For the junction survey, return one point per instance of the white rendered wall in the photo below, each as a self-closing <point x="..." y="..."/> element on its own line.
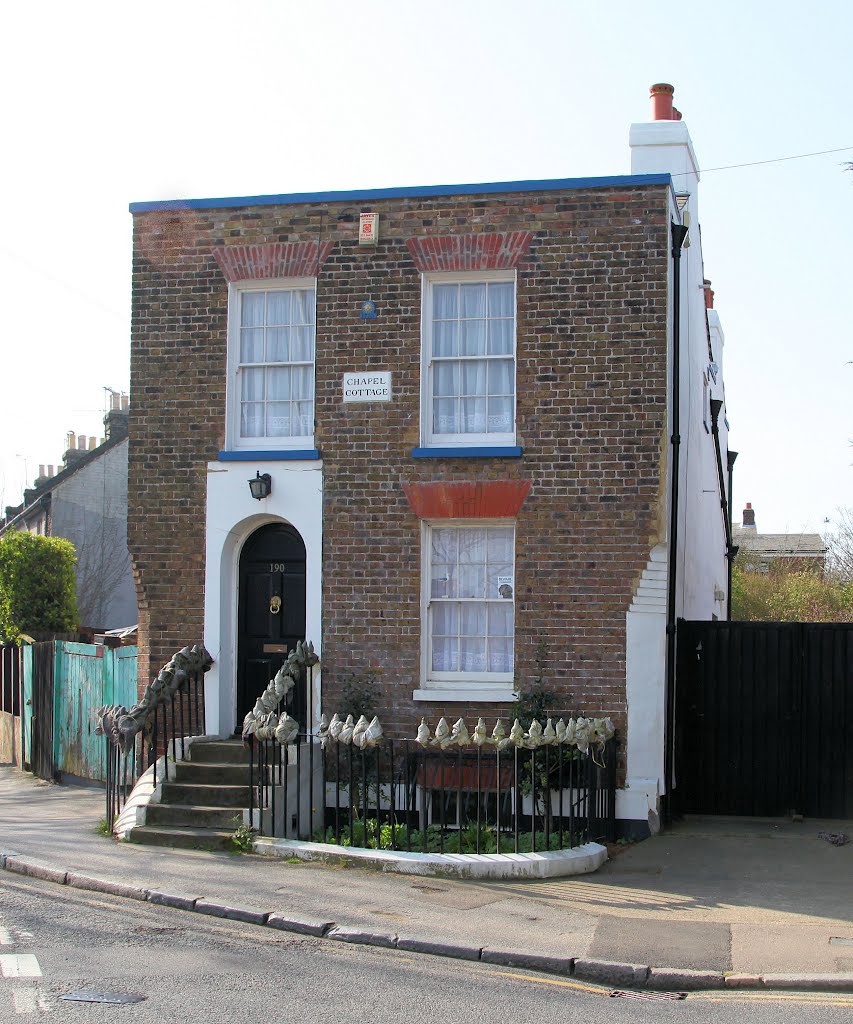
<point x="232" y="516"/>
<point x="665" y="147"/>
<point x="90" y="510"/>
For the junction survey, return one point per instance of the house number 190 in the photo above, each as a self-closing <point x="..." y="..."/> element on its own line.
<point x="276" y="566"/>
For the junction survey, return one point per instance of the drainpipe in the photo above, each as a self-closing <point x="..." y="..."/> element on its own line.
<point x="733" y="548"/>
<point x="725" y="507"/>
<point x="678" y="234"/>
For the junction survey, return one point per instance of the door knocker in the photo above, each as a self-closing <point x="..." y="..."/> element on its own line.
<point x="275" y="605"/>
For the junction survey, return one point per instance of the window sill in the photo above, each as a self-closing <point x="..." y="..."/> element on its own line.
<point x="468" y="694"/>
<point x="472" y="452"/>
<point x="272" y="454"/>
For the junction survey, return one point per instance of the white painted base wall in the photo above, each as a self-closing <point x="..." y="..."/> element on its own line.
<point x="645" y="683"/>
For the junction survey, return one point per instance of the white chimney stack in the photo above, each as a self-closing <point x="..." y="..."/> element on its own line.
<point x="662" y="145"/>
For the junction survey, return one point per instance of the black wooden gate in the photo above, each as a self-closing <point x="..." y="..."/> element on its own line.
<point x="43" y="761"/>
<point x="765" y="718"/>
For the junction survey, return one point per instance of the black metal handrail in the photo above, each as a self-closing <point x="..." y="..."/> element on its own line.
<point x="170" y="711"/>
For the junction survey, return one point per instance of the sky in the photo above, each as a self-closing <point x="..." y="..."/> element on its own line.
<point x="107" y="104"/>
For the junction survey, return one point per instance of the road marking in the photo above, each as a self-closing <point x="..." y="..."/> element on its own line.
<point x="24" y="1000"/>
<point x="5" y="938"/>
<point x="774" y="996"/>
<point x="19" y="965"/>
<point x="29" y="1000"/>
<point x="596" y="989"/>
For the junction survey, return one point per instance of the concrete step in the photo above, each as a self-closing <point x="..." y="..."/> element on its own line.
<point x="195" y="794"/>
<point x="222" y="818"/>
<point x="191" y="773"/>
<point x="219" y="752"/>
<point x="183" y="838"/>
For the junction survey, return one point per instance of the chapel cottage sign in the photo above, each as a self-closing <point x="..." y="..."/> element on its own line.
<point x="367" y="387"/>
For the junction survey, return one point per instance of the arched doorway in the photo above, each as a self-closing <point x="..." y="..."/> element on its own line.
<point x="271" y="613"/>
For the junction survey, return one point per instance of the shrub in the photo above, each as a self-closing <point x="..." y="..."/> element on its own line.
<point x="37" y="585"/>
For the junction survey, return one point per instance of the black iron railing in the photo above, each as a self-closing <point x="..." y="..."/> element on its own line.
<point x="399" y="795"/>
<point x="145" y="736"/>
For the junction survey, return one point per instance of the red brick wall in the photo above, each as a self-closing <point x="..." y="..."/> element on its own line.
<point x="591" y="381"/>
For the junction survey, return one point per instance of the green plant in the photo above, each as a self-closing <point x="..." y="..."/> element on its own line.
<point x="359" y="695"/>
<point x="37" y="585"/>
<point x="104" y="828"/>
<point x="243" y="838"/>
<point x="366" y="838"/>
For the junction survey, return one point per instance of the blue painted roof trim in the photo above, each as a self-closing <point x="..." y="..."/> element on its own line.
<point x="294" y="455"/>
<point x="489" y="188"/>
<point x="484" y="452"/>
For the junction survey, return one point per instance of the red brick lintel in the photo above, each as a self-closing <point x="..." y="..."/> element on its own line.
<point x="500" y="251"/>
<point x="490" y="499"/>
<point x="272" y="260"/>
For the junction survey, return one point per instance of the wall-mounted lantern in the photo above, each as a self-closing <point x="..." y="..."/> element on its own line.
<point x="261" y="486"/>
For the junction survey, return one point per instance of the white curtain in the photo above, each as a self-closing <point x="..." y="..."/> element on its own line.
<point x="472" y="623"/>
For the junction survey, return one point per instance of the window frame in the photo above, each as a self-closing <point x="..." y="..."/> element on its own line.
<point x="234" y="440"/>
<point x="430" y="439"/>
<point x="460" y="685"/>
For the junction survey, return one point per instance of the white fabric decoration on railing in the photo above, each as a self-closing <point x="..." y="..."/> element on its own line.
<point x="286" y="730"/>
<point x="460" y="735"/>
<point x="345" y="735"/>
<point x="300" y="659"/>
<point x="580" y="733"/>
<point x="442" y="735"/>
<point x="122" y="725"/>
<point x="423" y="736"/>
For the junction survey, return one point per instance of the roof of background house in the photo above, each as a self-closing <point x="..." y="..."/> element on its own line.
<point x="782" y="544"/>
<point x="32" y="495"/>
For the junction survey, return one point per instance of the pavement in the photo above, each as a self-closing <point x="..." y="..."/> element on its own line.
<point x="711" y="903"/>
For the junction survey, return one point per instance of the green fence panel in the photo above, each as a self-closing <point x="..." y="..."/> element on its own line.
<point x="87" y="676"/>
<point x="123" y="676"/>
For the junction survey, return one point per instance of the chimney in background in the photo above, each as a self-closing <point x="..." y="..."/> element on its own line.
<point x="76" y="448"/>
<point x="748" y="522"/>
<point x="709" y="294"/>
<point x="115" y="421"/>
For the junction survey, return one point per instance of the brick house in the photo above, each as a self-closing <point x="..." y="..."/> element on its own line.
<point x="465" y="429"/>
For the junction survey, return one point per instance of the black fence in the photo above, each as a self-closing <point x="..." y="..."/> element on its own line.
<point x="166" y="727"/>
<point x="765" y="718"/>
<point x="11" y="678"/>
<point x="42" y="749"/>
<point x="399" y="795"/>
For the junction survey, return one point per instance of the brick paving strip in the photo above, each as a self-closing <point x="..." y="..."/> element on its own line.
<point x="600" y="972"/>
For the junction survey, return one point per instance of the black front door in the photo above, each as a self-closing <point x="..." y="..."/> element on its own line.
<point x="271" y="614"/>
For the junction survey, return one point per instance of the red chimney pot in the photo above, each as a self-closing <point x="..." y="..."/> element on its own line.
<point x="662" y="109"/>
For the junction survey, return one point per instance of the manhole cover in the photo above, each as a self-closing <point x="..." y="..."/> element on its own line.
<point x="103" y="997"/>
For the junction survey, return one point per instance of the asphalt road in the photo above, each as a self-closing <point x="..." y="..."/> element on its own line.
<point x="55" y="941"/>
